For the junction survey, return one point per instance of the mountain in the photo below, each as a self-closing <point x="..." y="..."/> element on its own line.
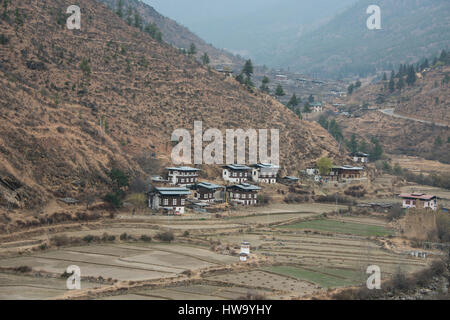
<point x="259" y="29"/>
<point x="411" y="29"/>
<point x="174" y="33"/>
<point x="76" y="103"/>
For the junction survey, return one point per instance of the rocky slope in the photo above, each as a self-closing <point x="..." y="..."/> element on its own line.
<point x="75" y="103"/>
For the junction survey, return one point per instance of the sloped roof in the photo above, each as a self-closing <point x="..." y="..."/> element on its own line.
<point x="183" y="169"/>
<point x="418" y="196"/>
<point x="246" y="187"/>
<point x="173" y="191"/>
<point x="237" y="167"/>
<point x="267" y="166"/>
<point x="208" y="185"/>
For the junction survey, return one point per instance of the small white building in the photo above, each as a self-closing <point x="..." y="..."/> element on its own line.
<point x="360" y="157"/>
<point x="245" y="247"/>
<point x="236" y="173"/>
<point x="265" y="173"/>
<point x="243" y="257"/>
<point x="419" y="200"/>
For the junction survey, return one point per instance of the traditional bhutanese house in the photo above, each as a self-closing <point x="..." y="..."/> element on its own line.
<point x="243" y="257"/>
<point x="419" y="200"/>
<point x="265" y="173"/>
<point x="360" y="157"/>
<point x="346" y="173"/>
<point x="245" y="194"/>
<point x="182" y="176"/>
<point x="316" y="107"/>
<point x="208" y="192"/>
<point x="171" y="199"/>
<point x="289" y="180"/>
<point x="236" y="173"/>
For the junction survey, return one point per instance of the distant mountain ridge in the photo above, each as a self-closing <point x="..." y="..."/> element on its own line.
<point x="345" y="46"/>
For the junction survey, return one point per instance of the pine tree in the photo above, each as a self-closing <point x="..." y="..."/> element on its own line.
<point x="279" y="92"/>
<point x="311" y="98"/>
<point x="411" y="78"/>
<point x="192" y="50"/>
<point x="119" y="10"/>
<point x="205" y="59"/>
<point x="400" y="84"/>
<point x="391" y="85"/>
<point x="248" y="68"/>
<point x="384" y="76"/>
<point x="265" y="85"/>
<point x="293" y="102"/>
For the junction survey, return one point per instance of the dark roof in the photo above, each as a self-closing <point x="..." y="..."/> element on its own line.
<point x="267" y="166"/>
<point x="237" y="167"/>
<point x="173" y="191"/>
<point x="291" y="178"/>
<point x="359" y="154"/>
<point x="183" y="169"/>
<point x="246" y="187"/>
<point x="210" y="186"/>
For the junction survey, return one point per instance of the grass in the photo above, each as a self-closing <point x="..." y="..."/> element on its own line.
<point x="342" y="227"/>
<point x="324" y="277"/>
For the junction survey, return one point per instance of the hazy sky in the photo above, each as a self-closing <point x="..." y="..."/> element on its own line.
<point x="248" y="26"/>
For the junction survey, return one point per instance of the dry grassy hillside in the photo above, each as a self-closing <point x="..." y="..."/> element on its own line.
<point x="58" y="85"/>
<point x="176" y="34"/>
<point x="428" y="99"/>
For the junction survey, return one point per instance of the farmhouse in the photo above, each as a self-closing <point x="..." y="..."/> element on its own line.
<point x="346" y="174"/>
<point x="170" y="199"/>
<point x="236" y="173"/>
<point x="245" y="194"/>
<point x="316" y="107"/>
<point x="419" y="200"/>
<point x="208" y="192"/>
<point x="265" y="173"/>
<point x="182" y="176"/>
<point x="360" y="157"/>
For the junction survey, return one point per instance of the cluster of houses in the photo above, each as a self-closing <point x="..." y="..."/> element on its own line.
<point x="182" y="186"/>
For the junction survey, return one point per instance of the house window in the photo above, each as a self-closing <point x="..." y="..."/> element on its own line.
<point x="174" y="202"/>
<point x="182" y="180"/>
<point x="244" y="196"/>
<point x="166" y="202"/>
<point x="182" y="202"/>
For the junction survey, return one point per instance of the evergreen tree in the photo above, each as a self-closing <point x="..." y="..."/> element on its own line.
<point x="205" y="59"/>
<point x="350" y="89"/>
<point x="293" y="102"/>
<point x="353" y="144"/>
<point x="192" y="50"/>
<point x="248" y="68"/>
<point x="391" y="85"/>
<point x="279" y="92"/>
<point x="307" y="108"/>
<point x="400" y="84"/>
<point x="384" y="76"/>
<point x="265" y="85"/>
<point x="119" y="10"/>
<point x="411" y="78"/>
<point x="311" y="98"/>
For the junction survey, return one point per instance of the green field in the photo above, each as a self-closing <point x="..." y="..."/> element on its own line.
<point x="324" y="277"/>
<point x="342" y="227"/>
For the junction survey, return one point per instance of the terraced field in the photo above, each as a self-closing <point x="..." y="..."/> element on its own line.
<point x="336" y="226"/>
<point x="295" y="253"/>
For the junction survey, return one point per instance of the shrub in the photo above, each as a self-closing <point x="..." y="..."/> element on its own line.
<point x="123" y="236"/>
<point x="60" y="240"/>
<point x="395" y="213"/>
<point x="165" y="236"/>
<point x="146" y="238"/>
<point x="89" y="238"/>
<point x="23" y="269"/>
